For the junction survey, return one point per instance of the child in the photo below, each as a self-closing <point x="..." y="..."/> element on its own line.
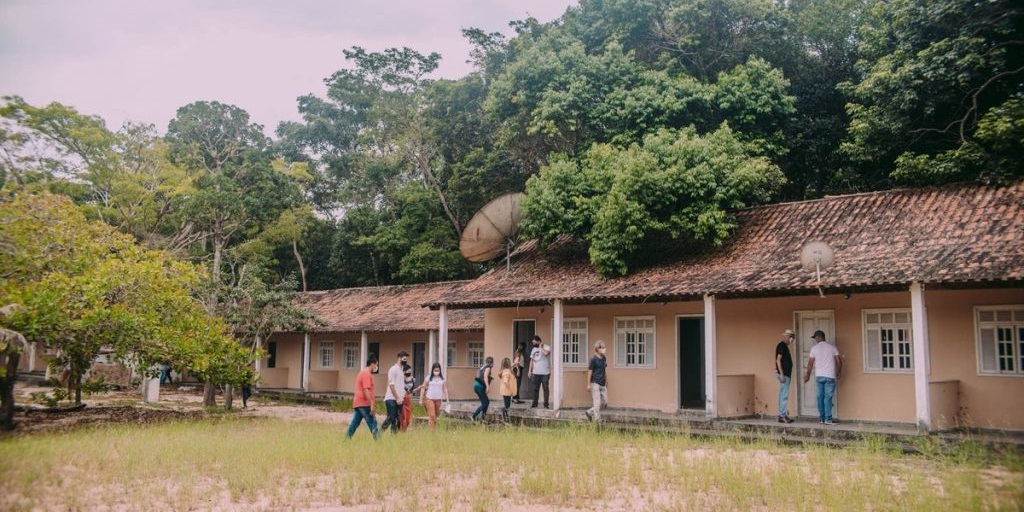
<point x="508" y="386"/>
<point x="410" y="385"/>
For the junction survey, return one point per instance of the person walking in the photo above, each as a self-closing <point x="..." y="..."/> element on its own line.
<point x="517" y="370"/>
<point x="481" y="385"/>
<point x="410" y="386"/>
<point x="395" y="393"/>
<point x="508" y="386"/>
<point x="597" y="381"/>
<point x="784" y="373"/>
<point x="824" y="360"/>
<point x="434" y="389"/>
<point x="364" y="405"/>
<point x="540" y="370"/>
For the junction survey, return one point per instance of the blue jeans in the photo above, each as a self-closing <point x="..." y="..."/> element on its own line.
<point x="784" y="383"/>
<point x="393" y="419"/>
<point x="358" y="415"/>
<point x="826" y="390"/>
<point x="485" y="402"/>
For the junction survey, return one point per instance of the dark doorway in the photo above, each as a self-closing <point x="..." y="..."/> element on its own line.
<point x="691" y="362"/>
<point x="522" y="336"/>
<point x="418" y="360"/>
<point x="373" y="347"/>
<point x="272" y="354"/>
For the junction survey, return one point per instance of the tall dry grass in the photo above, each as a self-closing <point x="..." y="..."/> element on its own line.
<point x="272" y="464"/>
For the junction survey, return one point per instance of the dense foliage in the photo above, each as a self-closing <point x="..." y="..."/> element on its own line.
<point x="629" y="124"/>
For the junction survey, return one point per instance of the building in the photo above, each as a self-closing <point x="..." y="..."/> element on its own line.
<point x="924" y="300"/>
<point x="374" y="320"/>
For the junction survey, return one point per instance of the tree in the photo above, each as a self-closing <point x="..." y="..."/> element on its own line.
<point x="938" y="94"/>
<point x="85" y="287"/>
<point x="122" y="178"/>
<point x="676" y="190"/>
<point x="12" y="345"/>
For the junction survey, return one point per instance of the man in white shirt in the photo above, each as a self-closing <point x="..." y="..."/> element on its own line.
<point x="540" y="370"/>
<point x="824" y="360"/>
<point x="395" y="393"/>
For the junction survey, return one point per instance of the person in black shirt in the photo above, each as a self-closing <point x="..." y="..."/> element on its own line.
<point x="784" y="373"/>
<point x="597" y="381"/>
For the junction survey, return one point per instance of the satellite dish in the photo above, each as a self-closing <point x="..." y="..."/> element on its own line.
<point x="816" y="256"/>
<point x="493" y="230"/>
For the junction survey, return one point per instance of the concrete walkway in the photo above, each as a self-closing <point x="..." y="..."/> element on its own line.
<point x="804" y="430"/>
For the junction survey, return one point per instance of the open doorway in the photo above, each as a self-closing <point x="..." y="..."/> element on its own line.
<point x="807" y="322"/>
<point x="522" y="335"/>
<point x="691" y="362"/>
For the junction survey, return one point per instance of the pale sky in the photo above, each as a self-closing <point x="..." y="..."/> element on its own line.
<point x="141" y="60"/>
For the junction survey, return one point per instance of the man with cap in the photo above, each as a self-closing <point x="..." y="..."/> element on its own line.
<point x="784" y="373"/>
<point x="824" y="360"/>
<point x="395" y="393"/>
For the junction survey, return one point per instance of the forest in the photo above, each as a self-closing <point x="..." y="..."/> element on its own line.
<point x="626" y="122"/>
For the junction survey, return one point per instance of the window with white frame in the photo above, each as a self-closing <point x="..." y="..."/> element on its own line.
<point x="1000" y="338"/>
<point x="475" y="354"/>
<point x="574" y="341"/>
<point x="888" y="340"/>
<point x="326" y="354"/>
<point x="634" y="342"/>
<point x="350" y="355"/>
<point x="451" y="353"/>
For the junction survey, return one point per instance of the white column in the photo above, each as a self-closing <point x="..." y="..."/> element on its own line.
<point x="364" y="349"/>
<point x="258" y="363"/>
<point x="557" y="326"/>
<point x="442" y="338"/>
<point x="431" y="352"/>
<point x="305" y="362"/>
<point x="150" y="387"/>
<point x="922" y="359"/>
<point x="710" y="352"/>
<point x="32" y="356"/>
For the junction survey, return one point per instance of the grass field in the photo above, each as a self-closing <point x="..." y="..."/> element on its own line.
<point x="261" y="464"/>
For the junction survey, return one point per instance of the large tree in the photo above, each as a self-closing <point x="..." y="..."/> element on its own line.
<point x="678" y="190"/>
<point x="940" y="92"/>
<point x="86" y="287"/>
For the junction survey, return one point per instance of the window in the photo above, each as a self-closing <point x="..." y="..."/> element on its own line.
<point x="272" y="354"/>
<point x="1000" y="339"/>
<point x="574" y="341"/>
<point x="888" y="340"/>
<point x="451" y="353"/>
<point x="475" y="354"/>
<point x="326" y="354"/>
<point x="350" y="354"/>
<point x="634" y="342"/>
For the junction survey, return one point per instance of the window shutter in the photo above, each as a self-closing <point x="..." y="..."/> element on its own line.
<point x="988" y="350"/>
<point x="874" y="349"/>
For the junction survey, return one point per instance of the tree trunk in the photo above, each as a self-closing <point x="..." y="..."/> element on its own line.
<point x="209" y="394"/>
<point x="229" y="396"/>
<point x="7" y="392"/>
<point x="302" y="267"/>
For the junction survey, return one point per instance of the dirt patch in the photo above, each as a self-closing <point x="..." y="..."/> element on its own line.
<point x="126" y="407"/>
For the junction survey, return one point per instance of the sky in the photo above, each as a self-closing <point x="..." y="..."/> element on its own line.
<point x="139" y="60"/>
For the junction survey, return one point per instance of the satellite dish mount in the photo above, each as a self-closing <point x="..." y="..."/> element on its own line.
<point x="816" y="256"/>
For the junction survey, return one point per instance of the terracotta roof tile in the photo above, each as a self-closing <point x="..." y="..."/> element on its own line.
<point x="388" y="308"/>
<point x="956" y="235"/>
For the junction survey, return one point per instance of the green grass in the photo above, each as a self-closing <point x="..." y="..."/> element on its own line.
<point x="275" y="464"/>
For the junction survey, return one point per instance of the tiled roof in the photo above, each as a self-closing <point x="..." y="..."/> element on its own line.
<point x="388" y="308"/>
<point x="963" y="235"/>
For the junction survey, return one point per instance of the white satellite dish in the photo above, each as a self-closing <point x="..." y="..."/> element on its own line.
<point x="816" y="256"/>
<point x="493" y="230"/>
